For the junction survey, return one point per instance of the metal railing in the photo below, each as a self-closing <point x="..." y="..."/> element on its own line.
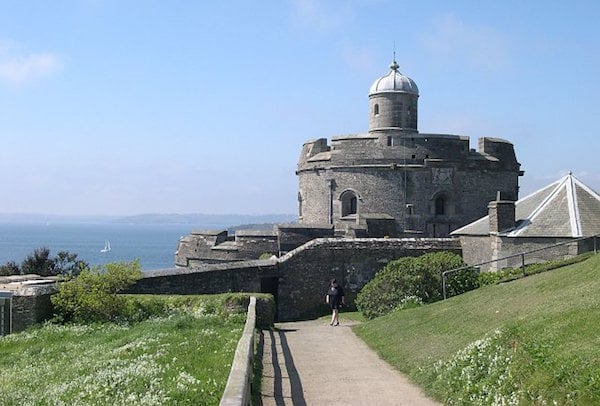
<point x="521" y="255"/>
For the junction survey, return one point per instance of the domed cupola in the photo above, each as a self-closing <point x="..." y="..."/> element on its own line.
<point x="393" y="102"/>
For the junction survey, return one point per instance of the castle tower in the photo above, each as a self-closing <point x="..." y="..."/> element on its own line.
<point x="393" y="102"/>
<point x="394" y="180"/>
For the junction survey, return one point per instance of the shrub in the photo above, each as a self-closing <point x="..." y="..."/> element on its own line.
<point x="10" y="268"/>
<point x="92" y="296"/>
<point x="462" y="281"/>
<point x="40" y="262"/>
<point x="400" y="279"/>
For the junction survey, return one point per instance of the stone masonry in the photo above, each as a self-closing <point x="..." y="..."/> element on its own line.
<point x="427" y="184"/>
<point x="297" y="280"/>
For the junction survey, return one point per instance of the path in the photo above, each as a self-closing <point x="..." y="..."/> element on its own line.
<point x="312" y="363"/>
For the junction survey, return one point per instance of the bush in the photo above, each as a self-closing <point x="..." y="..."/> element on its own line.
<point x="10" y="268"/>
<point x="92" y="296"/>
<point x="419" y="277"/>
<point x="40" y="262"/>
<point x="462" y="281"/>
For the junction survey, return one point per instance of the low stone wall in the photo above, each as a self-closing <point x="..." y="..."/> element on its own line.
<point x="298" y="280"/>
<point x="241" y="276"/>
<point x="479" y="249"/>
<point x="239" y="384"/>
<point x="30" y="302"/>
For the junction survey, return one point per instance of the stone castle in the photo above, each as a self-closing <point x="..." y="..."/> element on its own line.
<point x="396" y="181"/>
<point x="363" y="200"/>
<point x="367" y="199"/>
<point x="389" y="182"/>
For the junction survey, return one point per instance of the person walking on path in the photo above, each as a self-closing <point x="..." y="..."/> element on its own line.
<point x="335" y="299"/>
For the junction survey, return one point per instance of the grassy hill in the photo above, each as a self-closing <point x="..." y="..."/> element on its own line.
<point x="182" y="357"/>
<point x="531" y="341"/>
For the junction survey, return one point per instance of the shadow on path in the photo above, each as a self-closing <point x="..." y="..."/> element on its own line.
<point x="312" y="363"/>
<point x="279" y="371"/>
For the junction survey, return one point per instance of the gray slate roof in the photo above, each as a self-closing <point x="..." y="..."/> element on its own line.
<point x="565" y="208"/>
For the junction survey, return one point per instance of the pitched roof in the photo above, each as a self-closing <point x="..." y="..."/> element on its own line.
<point x="565" y="208"/>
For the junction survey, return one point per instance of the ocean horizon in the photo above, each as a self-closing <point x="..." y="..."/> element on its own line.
<point x="154" y="245"/>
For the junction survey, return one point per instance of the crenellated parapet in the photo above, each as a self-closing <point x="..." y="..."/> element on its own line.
<point x="429" y="184"/>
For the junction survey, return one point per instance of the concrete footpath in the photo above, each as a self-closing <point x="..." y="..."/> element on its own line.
<point x="312" y="363"/>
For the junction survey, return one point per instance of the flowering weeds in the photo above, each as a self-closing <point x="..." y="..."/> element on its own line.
<point x="509" y="367"/>
<point x="180" y="359"/>
<point x="480" y="373"/>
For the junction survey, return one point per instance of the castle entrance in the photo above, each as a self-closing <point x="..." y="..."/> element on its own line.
<point x="271" y="285"/>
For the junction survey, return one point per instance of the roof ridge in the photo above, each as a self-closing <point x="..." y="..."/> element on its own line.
<point x="572" y="202"/>
<point x="535" y="212"/>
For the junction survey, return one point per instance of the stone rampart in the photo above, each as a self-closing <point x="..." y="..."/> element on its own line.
<point x="306" y="271"/>
<point x="299" y="279"/>
<point x="208" y="247"/>
<point x="239" y="276"/>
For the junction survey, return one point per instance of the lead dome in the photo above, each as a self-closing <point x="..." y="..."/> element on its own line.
<point x="394" y="81"/>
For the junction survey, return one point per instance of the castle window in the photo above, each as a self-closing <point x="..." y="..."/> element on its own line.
<point x="440" y="206"/>
<point x="299" y="205"/>
<point x="376" y="110"/>
<point x="349" y="203"/>
<point x="390" y="141"/>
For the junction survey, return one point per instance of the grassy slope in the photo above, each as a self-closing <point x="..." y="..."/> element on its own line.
<point x="558" y="310"/>
<point x="182" y="359"/>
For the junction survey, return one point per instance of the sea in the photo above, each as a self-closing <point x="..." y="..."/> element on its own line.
<point x="154" y="245"/>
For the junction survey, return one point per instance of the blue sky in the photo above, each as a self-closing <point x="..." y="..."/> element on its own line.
<point x="124" y="107"/>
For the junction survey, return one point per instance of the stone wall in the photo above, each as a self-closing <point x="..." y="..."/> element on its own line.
<point x="479" y="249"/>
<point x="475" y="249"/>
<point x="207" y="247"/>
<point x="299" y="279"/>
<point x="305" y="272"/>
<point x="550" y="252"/>
<point x="402" y="175"/>
<point x="292" y="236"/>
<point x="240" y="276"/>
<point x="31" y="305"/>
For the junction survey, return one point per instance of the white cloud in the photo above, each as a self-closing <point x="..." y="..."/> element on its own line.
<point x="18" y="67"/>
<point x="452" y="40"/>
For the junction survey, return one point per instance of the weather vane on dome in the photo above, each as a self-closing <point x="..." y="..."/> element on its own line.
<point x="394" y="65"/>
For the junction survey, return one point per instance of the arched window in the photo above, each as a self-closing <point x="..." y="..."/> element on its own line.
<point x="349" y="203"/>
<point x="299" y="205"/>
<point x="376" y="110"/>
<point x="440" y="206"/>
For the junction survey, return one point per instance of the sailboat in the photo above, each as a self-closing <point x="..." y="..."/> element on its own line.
<point x="106" y="247"/>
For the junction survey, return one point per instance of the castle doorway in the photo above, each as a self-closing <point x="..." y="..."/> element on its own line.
<point x="271" y="285"/>
<point x="438" y="230"/>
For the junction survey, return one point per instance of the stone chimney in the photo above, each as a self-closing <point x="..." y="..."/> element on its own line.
<point x="502" y="215"/>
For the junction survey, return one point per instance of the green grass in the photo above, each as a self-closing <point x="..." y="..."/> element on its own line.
<point x="184" y="358"/>
<point x="529" y="341"/>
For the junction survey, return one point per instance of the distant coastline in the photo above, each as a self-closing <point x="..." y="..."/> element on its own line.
<point x="193" y="219"/>
<point x="151" y="238"/>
